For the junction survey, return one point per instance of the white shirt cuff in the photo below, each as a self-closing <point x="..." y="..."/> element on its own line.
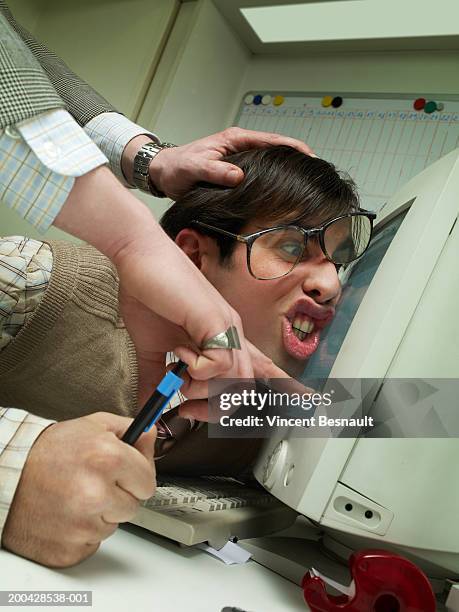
<point x="112" y="132"/>
<point x="61" y="144"/>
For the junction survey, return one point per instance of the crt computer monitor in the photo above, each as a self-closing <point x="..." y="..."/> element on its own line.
<point x="398" y="318"/>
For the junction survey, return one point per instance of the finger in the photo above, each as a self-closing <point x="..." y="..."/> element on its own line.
<point x="241" y="140"/>
<point x="192" y="388"/>
<point x="195" y="389"/>
<point x="265" y="368"/>
<point x="146" y="444"/>
<point x="218" y="172"/>
<point x="122" y="506"/>
<point x="197" y="409"/>
<point x="90" y="529"/>
<point x="101" y="531"/>
<point x="118" y="425"/>
<point x="89" y="550"/>
<point x="95" y="530"/>
<point x="111" y="422"/>
<point x="210" y="364"/>
<point x="136" y="474"/>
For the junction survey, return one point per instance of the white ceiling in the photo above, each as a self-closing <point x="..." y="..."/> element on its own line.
<point x="292" y="26"/>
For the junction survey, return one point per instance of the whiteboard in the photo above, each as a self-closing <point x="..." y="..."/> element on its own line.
<point x="381" y="141"/>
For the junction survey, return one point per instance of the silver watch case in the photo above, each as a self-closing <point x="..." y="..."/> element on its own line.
<point x="142" y="160"/>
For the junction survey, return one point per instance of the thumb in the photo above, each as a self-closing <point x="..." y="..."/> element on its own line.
<point x="220" y="173"/>
<point x="115" y="423"/>
<point x="146" y="443"/>
<point x="119" y="424"/>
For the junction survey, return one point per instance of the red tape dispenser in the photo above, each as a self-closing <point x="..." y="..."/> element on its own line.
<point x="381" y="582"/>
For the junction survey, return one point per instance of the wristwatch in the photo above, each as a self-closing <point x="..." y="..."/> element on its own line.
<point x="142" y="162"/>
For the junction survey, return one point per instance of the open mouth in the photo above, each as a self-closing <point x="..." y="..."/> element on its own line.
<point x="302" y="326"/>
<point x="300" y="336"/>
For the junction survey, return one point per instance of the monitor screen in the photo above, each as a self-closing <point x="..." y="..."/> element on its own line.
<point x="356" y="280"/>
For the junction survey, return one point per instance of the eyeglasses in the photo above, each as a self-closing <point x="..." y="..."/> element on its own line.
<point x="274" y="252"/>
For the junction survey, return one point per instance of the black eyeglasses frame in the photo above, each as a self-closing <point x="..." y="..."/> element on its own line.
<point x="249" y="239"/>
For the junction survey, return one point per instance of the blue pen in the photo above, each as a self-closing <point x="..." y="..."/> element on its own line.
<point x="154" y="407"/>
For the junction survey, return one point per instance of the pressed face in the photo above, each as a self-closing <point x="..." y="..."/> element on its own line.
<point x="282" y="317"/>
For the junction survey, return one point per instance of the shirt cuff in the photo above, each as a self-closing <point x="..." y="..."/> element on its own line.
<point x="18" y="432"/>
<point x="112" y="132"/>
<point x="27" y="186"/>
<point x="61" y="144"/>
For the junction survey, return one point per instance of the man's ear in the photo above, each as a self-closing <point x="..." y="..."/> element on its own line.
<point x="193" y="244"/>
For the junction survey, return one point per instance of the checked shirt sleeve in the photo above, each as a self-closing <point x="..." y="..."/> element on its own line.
<point x="41" y="157"/>
<point x="18" y="432"/>
<point x="112" y="132"/>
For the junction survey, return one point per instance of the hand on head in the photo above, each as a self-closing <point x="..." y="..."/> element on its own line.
<point x="174" y="171"/>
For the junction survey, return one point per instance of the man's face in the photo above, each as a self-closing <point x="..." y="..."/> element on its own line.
<point x="270" y="310"/>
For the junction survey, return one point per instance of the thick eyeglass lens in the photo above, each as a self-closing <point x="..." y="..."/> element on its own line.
<point x="346" y="239"/>
<point x="276" y="253"/>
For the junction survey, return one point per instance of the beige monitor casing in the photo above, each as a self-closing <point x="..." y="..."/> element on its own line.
<point x="407" y="326"/>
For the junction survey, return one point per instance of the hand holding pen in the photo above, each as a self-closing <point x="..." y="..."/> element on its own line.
<point x="170" y="384"/>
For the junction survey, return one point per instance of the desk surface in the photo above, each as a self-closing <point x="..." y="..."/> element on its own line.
<point x="136" y="571"/>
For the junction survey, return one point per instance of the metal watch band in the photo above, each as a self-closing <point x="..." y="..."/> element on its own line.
<point x="142" y="160"/>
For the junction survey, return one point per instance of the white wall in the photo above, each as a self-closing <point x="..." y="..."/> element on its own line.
<point x="114" y="45"/>
<point x="204" y="69"/>
<point x="199" y="96"/>
<point x="421" y="72"/>
<point x="201" y="92"/>
<point x="27" y="13"/>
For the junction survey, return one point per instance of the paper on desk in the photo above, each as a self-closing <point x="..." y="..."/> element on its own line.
<point x="230" y="553"/>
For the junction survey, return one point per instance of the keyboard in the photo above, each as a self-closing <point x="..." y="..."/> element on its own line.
<point x="212" y="509"/>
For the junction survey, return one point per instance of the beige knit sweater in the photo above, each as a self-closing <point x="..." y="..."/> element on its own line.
<point x="74" y="356"/>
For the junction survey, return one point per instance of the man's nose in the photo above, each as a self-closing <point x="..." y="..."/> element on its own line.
<point x="321" y="281"/>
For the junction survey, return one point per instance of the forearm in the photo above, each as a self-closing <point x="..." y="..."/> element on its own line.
<point x="100" y="211"/>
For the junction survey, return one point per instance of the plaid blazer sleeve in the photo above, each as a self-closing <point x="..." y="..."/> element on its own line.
<point x="82" y="101"/>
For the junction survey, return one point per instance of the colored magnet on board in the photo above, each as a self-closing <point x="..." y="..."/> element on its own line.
<point x="337" y="101"/>
<point x="278" y="100"/>
<point x="430" y="107"/>
<point x="257" y="99"/>
<point x="248" y="99"/>
<point x="440" y="106"/>
<point x="266" y="99"/>
<point x="326" y="101"/>
<point x="419" y="104"/>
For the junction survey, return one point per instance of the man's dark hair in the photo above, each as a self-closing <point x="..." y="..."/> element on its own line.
<point x="280" y="186"/>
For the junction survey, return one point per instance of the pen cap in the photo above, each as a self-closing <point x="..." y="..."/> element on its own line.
<point x="170" y="384"/>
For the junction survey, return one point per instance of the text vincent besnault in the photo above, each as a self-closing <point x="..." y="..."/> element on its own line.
<point x="306" y="401"/>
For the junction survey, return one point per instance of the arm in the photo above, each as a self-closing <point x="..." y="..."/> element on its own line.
<point x="173" y="171"/>
<point x="81" y="506"/>
<point x="60" y="325"/>
<point x="110" y="130"/>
